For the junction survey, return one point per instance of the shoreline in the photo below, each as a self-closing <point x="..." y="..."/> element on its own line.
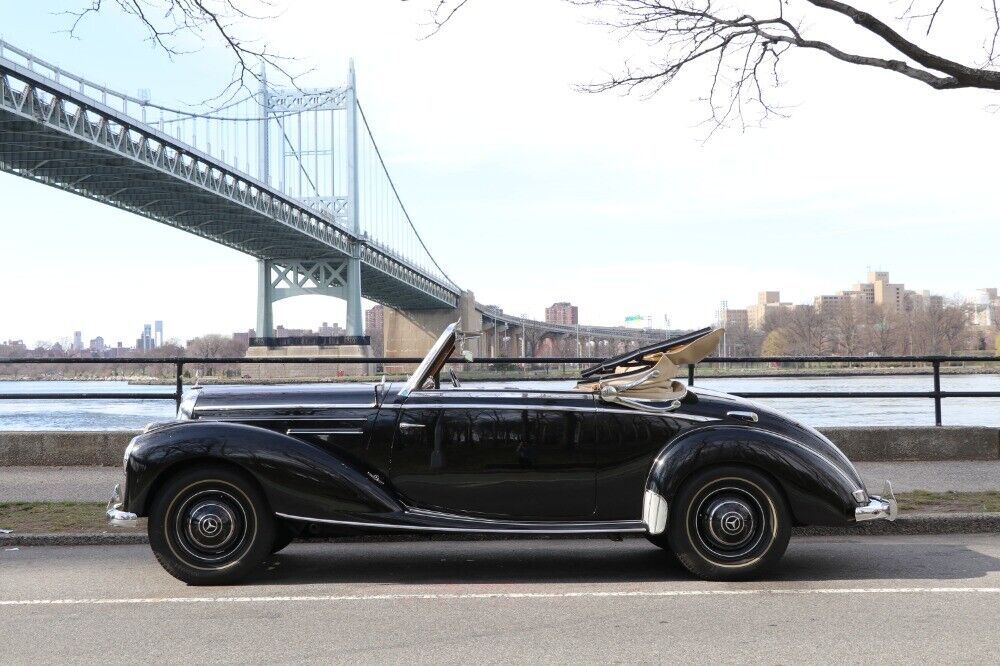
<point x="707" y="372"/>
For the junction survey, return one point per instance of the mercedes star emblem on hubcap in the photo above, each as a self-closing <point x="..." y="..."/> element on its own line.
<point x="210" y="525"/>
<point x="732" y="523"/>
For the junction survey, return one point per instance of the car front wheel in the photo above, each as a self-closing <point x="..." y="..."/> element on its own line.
<point x="210" y="525"/>
<point x="729" y="523"/>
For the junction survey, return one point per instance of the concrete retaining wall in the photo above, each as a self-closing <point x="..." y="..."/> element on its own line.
<point x="860" y="444"/>
<point x="64" y="448"/>
<point x="888" y="443"/>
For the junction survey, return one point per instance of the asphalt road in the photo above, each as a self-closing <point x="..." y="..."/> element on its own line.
<point x="839" y="600"/>
<point x="94" y="484"/>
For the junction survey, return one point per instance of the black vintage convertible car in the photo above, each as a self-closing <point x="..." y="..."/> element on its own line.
<point x="715" y="479"/>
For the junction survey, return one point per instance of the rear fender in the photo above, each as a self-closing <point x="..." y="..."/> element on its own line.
<point x="297" y="477"/>
<point x="818" y="492"/>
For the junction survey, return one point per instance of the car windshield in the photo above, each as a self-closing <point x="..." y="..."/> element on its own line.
<point x="433" y="362"/>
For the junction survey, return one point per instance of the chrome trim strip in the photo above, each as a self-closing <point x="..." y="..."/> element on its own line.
<point x="275" y="417"/>
<point x="430" y="513"/>
<point x="407" y="426"/>
<point x="552" y="408"/>
<point x="626" y="526"/>
<point x="477" y="394"/>
<point x="250" y="408"/>
<point x="324" y="431"/>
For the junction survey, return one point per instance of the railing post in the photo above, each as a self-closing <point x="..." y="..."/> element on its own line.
<point x="179" y="390"/>
<point x="937" y="392"/>
<point x="690" y="374"/>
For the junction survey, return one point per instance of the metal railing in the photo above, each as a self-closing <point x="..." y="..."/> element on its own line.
<point x="935" y="363"/>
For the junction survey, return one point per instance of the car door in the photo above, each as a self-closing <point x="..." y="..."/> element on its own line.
<point x="501" y="454"/>
<point x="627" y="441"/>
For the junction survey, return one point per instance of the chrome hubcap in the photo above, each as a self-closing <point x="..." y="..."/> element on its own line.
<point x="212" y="526"/>
<point x="730" y="522"/>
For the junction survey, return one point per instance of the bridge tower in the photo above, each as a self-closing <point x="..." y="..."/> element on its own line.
<point x="321" y="168"/>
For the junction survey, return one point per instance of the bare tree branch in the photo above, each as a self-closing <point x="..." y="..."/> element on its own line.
<point x="443" y="12"/>
<point x="172" y="24"/>
<point x="740" y="46"/>
<point x="959" y="76"/>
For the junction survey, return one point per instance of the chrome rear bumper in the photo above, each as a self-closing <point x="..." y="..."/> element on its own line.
<point x="879" y="507"/>
<point x="116" y="517"/>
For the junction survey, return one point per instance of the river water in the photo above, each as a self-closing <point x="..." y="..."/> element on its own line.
<point x="133" y="414"/>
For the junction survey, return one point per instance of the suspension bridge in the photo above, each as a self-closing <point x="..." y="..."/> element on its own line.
<point x="291" y="177"/>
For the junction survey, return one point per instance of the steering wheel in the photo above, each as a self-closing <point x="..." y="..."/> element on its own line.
<point x="454" y="378"/>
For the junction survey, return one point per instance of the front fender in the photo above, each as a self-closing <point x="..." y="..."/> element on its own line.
<point x="297" y="478"/>
<point x="818" y="491"/>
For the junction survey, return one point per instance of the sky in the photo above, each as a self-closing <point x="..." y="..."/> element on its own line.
<point x="526" y="190"/>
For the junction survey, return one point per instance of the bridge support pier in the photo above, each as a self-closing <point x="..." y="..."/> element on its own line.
<point x="265" y="300"/>
<point x="412" y="332"/>
<point x="355" y="322"/>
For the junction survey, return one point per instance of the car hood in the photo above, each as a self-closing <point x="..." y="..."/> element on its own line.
<point x="280" y="397"/>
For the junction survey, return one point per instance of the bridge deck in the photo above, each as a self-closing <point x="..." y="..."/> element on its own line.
<point x="50" y="134"/>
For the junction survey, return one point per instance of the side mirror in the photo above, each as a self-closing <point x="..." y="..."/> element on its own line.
<point x="467" y="355"/>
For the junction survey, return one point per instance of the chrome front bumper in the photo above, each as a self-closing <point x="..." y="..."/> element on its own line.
<point x="879" y="507"/>
<point x="116" y="517"/>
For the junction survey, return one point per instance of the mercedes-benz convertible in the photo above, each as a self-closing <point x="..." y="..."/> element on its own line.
<point x="715" y="479"/>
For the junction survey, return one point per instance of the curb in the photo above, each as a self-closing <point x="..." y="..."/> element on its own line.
<point x="78" y="539"/>
<point x="926" y="523"/>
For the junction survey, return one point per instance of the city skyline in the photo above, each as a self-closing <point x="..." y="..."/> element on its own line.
<point x="985" y="313"/>
<point x="526" y="176"/>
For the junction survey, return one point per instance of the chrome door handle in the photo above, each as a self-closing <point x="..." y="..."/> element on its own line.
<point x="411" y="425"/>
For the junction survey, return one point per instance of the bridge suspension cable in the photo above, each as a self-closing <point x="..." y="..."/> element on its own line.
<point x="399" y="199"/>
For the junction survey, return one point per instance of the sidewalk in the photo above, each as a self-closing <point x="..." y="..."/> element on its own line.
<point x="94" y="484"/>
<point x="58" y="484"/>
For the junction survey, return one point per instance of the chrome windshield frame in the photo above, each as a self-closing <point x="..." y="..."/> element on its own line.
<point x="443" y="346"/>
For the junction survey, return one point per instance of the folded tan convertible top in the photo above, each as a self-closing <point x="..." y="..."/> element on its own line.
<point x="648" y="374"/>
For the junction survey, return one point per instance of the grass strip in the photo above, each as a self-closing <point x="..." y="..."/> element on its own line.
<point x="53" y="517"/>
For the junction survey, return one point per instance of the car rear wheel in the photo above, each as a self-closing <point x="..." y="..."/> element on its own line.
<point x="729" y="523"/>
<point x="210" y="525"/>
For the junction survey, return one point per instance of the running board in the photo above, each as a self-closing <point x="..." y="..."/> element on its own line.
<point x="430" y="521"/>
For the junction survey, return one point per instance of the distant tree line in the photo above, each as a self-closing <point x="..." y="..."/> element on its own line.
<point x="860" y="329"/>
